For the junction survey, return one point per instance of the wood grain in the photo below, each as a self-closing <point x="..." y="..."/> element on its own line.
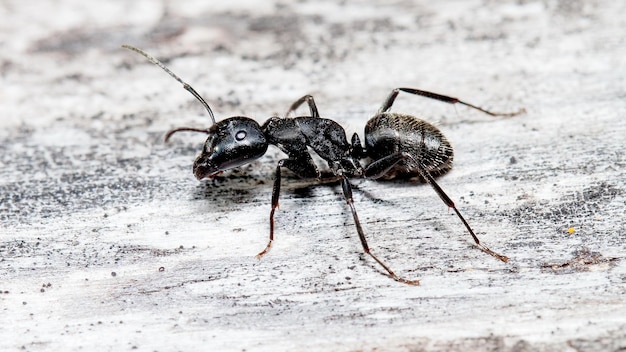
<point x="108" y="243"/>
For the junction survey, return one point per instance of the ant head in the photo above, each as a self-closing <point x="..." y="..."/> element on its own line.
<point x="232" y="142"/>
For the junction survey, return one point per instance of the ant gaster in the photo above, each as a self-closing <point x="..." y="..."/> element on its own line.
<point x="399" y="145"/>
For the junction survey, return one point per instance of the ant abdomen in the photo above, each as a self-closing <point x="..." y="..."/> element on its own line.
<point x="388" y="133"/>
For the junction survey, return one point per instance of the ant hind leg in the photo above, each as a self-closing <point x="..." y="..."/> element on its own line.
<point x="444" y="98"/>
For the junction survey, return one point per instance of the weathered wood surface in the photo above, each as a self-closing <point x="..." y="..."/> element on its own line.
<point x="107" y="241"/>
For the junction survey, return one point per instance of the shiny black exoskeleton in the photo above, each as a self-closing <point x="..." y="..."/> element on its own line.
<point x="398" y="145"/>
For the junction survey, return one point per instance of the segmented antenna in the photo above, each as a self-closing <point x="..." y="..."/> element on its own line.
<point x="185" y="85"/>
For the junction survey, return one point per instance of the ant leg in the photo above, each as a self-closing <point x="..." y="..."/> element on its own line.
<point x="303" y="167"/>
<point x="444" y="197"/>
<point x="379" y="167"/>
<point x="347" y="192"/>
<point x="275" y="193"/>
<point x="309" y="100"/>
<point x="446" y="99"/>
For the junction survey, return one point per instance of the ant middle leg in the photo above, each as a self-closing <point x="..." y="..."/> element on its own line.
<point x="444" y="98"/>
<point x="347" y="192"/>
<point x="309" y="100"/>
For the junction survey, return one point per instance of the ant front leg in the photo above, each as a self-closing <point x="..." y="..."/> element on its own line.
<point x="347" y="192"/>
<point x="444" y="98"/>
<point x="275" y="194"/>
<point x="309" y="100"/>
<point x="380" y="167"/>
<point x="303" y="167"/>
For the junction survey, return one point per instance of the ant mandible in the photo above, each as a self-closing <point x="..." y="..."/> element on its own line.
<point x="399" y="145"/>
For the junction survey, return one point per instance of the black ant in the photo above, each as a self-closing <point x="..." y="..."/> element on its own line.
<point x="399" y="145"/>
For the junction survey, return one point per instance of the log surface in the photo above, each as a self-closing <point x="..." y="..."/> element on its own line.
<point x="108" y="243"/>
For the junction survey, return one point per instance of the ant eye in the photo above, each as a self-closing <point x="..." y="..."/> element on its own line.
<point x="240" y="135"/>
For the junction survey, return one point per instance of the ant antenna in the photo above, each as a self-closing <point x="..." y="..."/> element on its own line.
<point x="185" y="85"/>
<point x="191" y="129"/>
